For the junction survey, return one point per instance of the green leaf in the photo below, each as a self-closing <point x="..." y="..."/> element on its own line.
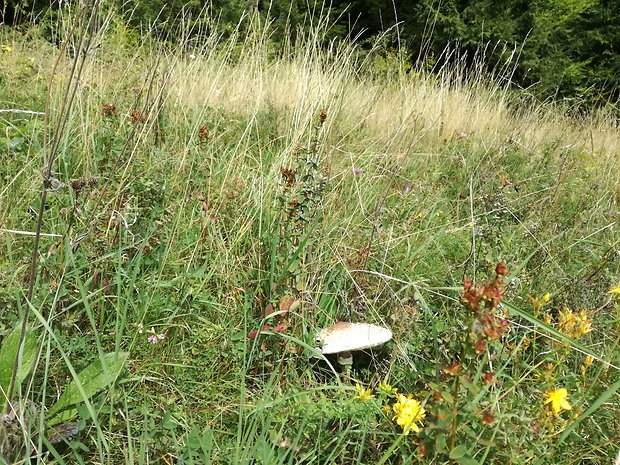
<point x="92" y="379"/>
<point x="466" y="460"/>
<point x="15" y="142"/>
<point x="63" y="417"/>
<point x="458" y="452"/>
<point x="441" y="443"/>
<point x="8" y="354"/>
<point x="447" y="396"/>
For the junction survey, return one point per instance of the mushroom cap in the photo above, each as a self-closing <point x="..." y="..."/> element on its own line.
<point x="343" y="337"/>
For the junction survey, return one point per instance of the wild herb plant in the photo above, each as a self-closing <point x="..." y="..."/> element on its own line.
<point x="300" y="203"/>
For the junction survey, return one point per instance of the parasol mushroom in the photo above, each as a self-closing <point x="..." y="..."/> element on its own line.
<point x="344" y="338"/>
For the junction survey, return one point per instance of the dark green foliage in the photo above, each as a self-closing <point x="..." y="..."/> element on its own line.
<point x="18" y="11"/>
<point x="600" y="26"/>
<point x="171" y="19"/>
<point x="565" y="48"/>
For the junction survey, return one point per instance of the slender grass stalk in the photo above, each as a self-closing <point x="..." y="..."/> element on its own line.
<point x="49" y="158"/>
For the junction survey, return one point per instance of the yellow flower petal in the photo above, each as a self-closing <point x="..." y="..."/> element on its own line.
<point x="565" y="405"/>
<point x="386" y="388"/>
<point x="409" y="413"/>
<point x="558" y="399"/>
<point x="363" y="394"/>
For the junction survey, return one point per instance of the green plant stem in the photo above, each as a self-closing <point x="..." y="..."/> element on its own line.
<point x="455" y="410"/>
<point x="47" y="173"/>
<point x="390" y="451"/>
<point x="31" y="281"/>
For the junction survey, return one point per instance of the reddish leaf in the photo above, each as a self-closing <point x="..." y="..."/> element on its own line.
<point x="501" y="270"/>
<point x="255" y="332"/>
<point x="454" y="370"/>
<point x="489" y="377"/>
<point x="286" y="303"/>
<point x="281" y="327"/>
<point x="268" y="311"/>
<point x="488" y="419"/>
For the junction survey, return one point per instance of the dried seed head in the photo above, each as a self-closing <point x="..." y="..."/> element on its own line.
<point x="108" y="109"/>
<point x="203" y="133"/>
<point x="137" y="116"/>
<point x="288" y="175"/>
<point x="90" y="182"/>
<point x="77" y="184"/>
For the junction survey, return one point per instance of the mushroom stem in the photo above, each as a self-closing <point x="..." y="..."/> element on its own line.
<point x="343" y="338"/>
<point x="345" y="358"/>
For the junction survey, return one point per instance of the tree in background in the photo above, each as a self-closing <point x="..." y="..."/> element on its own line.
<point x="567" y="48"/>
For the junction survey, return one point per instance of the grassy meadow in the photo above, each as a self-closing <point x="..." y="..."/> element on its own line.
<point x="213" y="203"/>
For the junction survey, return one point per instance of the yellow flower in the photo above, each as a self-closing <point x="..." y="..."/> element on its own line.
<point x="574" y="324"/>
<point x="409" y="413"/>
<point x="584" y="323"/>
<point x="540" y="302"/>
<point x="5" y="48"/>
<point x="363" y="394"/>
<point x="586" y="364"/>
<point x="615" y="290"/>
<point x="558" y="400"/>
<point x="385" y="387"/>
<point x="566" y="320"/>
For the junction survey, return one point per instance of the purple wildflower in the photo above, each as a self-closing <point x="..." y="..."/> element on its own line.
<point x="153" y="337"/>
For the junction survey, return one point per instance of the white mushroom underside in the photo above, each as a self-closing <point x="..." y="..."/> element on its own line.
<point x="343" y="337"/>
